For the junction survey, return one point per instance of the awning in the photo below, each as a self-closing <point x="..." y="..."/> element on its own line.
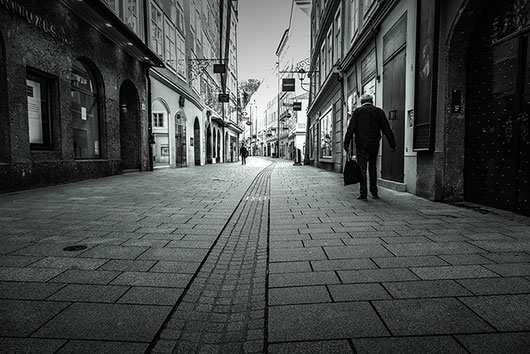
<point x="104" y="20"/>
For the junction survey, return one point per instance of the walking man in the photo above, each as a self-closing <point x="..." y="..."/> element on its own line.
<point x="367" y="122"/>
<point x="244" y="153"/>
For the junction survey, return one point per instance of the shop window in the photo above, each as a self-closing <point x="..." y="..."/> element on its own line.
<point x="85" y="113"/>
<point x="326" y="144"/>
<point x="40" y="91"/>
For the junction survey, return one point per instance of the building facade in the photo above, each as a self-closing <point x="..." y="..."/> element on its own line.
<point x="190" y="124"/>
<point x="452" y="77"/>
<point x="70" y="112"/>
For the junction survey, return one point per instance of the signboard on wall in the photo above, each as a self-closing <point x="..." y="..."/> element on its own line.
<point x="288" y="84"/>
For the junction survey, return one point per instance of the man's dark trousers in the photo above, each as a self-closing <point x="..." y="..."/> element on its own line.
<point x="367" y="156"/>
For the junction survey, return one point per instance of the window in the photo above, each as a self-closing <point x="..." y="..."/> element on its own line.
<point x="326" y="144"/>
<point x="131" y="14"/>
<point x="170" y="53"/>
<point x="329" y="55"/>
<point x="337" y="50"/>
<point x="369" y="88"/>
<point x="181" y="56"/>
<point x="156" y="30"/>
<point x="354" y="18"/>
<point x="199" y="30"/>
<point x="40" y="89"/>
<point x="366" y="6"/>
<point x="158" y="120"/>
<point x="180" y="15"/>
<point x="85" y="113"/>
<point x="323" y="63"/>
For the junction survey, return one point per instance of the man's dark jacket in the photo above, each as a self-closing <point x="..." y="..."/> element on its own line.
<point x="367" y="123"/>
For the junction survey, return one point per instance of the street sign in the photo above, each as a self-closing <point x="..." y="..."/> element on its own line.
<point x="223" y="97"/>
<point x="219" y="68"/>
<point x="288" y="84"/>
<point x="297" y="106"/>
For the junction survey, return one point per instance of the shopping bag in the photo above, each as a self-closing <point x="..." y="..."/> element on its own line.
<point x="352" y="172"/>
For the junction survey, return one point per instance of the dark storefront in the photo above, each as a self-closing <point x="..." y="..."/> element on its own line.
<point x="74" y="102"/>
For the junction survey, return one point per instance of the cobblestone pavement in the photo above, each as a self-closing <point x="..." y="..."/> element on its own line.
<point x="263" y="257"/>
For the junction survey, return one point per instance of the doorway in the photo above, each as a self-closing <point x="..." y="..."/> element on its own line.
<point x="209" y="145"/>
<point x="130" y="136"/>
<point x="197" y="142"/>
<point x="497" y="142"/>
<point x="392" y="165"/>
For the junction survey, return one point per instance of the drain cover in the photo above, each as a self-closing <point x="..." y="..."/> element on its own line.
<point x="75" y="248"/>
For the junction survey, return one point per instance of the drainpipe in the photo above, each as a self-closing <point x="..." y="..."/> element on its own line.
<point x="150" y="137"/>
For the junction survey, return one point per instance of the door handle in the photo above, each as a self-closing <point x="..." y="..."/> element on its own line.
<point x="392" y="114"/>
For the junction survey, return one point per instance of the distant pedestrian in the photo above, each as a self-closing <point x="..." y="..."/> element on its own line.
<point x="244" y="153"/>
<point x="367" y="122"/>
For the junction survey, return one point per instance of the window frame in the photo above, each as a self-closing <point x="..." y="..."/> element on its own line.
<point x="170" y="48"/>
<point x="47" y="115"/>
<point x="154" y="25"/>
<point x="329" y="129"/>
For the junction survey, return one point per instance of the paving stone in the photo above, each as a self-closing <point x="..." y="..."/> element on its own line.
<point x="174" y="254"/>
<point x="301" y="279"/>
<point x="413" y="261"/>
<point x="510" y="270"/>
<point x="494" y="343"/>
<point x="27" y="291"/>
<point x="176" y="267"/>
<point x="296" y="254"/>
<point x="69" y="263"/>
<point x="286" y="244"/>
<point x="289" y="267"/>
<point x="152" y="279"/>
<point x="429" y="316"/>
<point x="127" y="265"/>
<point x="426" y="249"/>
<point x="504" y="312"/>
<point x="76" y="276"/>
<point x="323" y="321"/>
<point x="115" y="252"/>
<point x="89" y="293"/>
<point x="357" y="292"/>
<point x="95" y="321"/>
<point x="496" y="286"/>
<point x="28" y="274"/>
<point x="411" y="345"/>
<point x="360" y="251"/>
<point x="20" y="318"/>
<point x="342" y="264"/>
<point x="151" y="296"/>
<point x="508" y="257"/>
<point x="465" y="259"/>
<point x="323" y="242"/>
<point x="30" y="345"/>
<point x="78" y="346"/>
<point x="425" y="289"/>
<point x="17" y="261"/>
<point x="453" y="272"/>
<point x="362" y="241"/>
<point x="504" y="246"/>
<point x="376" y="275"/>
<point x="298" y="295"/>
<point x="313" y="347"/>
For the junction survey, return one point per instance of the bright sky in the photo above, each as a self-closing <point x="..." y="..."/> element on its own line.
<point x="260" y="29"/>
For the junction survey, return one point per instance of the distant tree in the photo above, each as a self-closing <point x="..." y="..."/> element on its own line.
<point x="247" y="89"/>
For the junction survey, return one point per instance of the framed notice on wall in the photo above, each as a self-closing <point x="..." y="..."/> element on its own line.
<point x="34" y="112"/>
<point x="426" y="75"/>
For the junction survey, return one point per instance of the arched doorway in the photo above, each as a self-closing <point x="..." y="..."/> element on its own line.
<point x="209" y="144"/>
<point x="497" y="132"/>
<point x="197" y="141"/>
<point x="130" y="136"/>
<point x="4" y="119"/>
<point x="181" y="150"/>
<point x="160" y="129"/>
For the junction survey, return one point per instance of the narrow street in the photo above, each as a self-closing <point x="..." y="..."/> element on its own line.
<point x="262" y="257"/>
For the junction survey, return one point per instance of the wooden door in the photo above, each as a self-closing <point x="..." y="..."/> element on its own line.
<point x="392" y="165"/>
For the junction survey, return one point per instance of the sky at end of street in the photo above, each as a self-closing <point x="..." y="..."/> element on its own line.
<point x="260" y="29"/>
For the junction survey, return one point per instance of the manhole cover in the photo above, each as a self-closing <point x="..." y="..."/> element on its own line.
<point x="75" y="248"/>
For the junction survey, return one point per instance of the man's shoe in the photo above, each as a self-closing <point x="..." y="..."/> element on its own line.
<point x="362" y="197"/>
<point x="375" y="196"/>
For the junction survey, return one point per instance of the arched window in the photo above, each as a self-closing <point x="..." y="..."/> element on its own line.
<point x="85" y="113"/>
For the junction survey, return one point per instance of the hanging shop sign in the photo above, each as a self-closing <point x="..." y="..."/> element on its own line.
<point x="288" y="84"/>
